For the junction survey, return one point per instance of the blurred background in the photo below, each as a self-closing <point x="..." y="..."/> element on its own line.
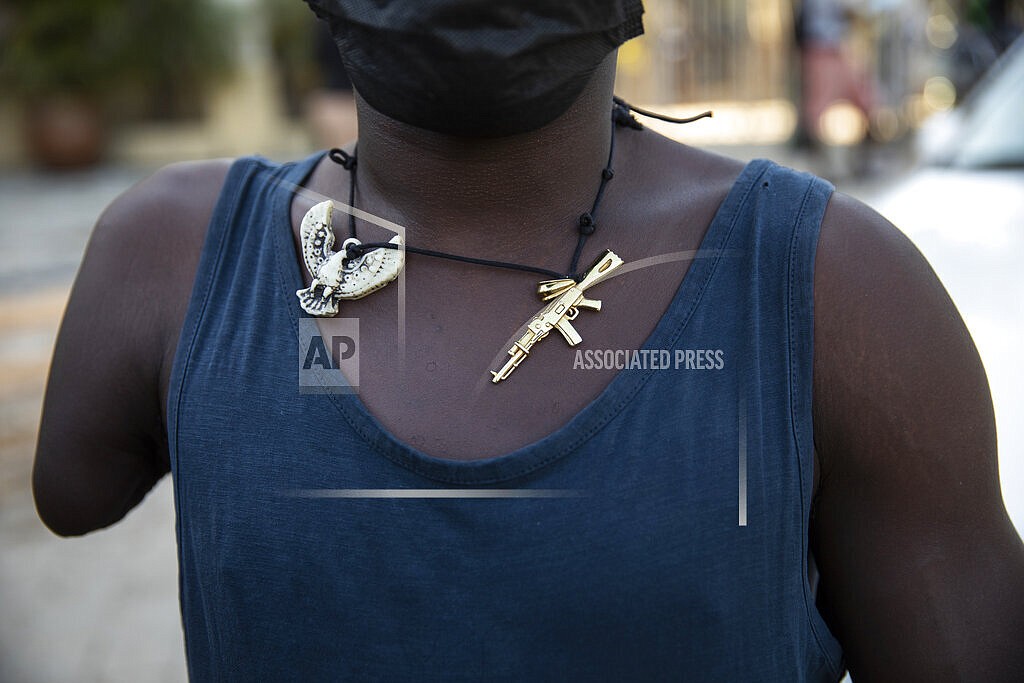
<point x="915" y="106"/>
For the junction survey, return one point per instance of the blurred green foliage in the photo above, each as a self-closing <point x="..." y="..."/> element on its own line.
<point x="291" y="27"/>
<point x="107" y="48"/>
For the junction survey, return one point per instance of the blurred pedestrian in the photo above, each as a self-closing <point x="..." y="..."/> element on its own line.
<point x="828" y="76"/>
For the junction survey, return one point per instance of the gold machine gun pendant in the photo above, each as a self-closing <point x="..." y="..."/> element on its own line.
<point x="566" y="299"/>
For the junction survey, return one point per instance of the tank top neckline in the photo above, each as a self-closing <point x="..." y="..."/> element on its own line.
<point x="580" y="427"/>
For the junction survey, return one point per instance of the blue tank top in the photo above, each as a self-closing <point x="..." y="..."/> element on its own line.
<point x="667" y="535"/>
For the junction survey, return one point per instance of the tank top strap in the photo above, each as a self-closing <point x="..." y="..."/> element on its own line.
<point x="241" y="219"/>
<point x="780" y="222"/>
<point x="783" y="225"/>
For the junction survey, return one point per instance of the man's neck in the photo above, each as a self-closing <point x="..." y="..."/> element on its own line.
<point x="460" y="193"/>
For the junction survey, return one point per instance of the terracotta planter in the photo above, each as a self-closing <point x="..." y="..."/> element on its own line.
<point x="65" y="131"/>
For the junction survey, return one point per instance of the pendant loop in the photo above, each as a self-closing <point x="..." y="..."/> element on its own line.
<point x="335" y="276"/>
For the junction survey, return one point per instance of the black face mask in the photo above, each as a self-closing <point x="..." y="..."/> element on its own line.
<point x="476" y="67"/>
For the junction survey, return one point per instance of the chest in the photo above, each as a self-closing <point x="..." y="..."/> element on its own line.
<point x="427" y="347"/>
<point x="429" y="341"/>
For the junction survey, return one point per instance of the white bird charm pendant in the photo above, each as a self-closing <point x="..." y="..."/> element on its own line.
<point x="336" y="277"/>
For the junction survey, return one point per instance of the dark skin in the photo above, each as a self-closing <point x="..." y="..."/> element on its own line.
<point x="922" y="572"/>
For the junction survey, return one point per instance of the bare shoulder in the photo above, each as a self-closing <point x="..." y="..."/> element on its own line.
<point x="173" y="204"/>
<point x="149" y="241"/>
<point x="685" y="162"/>
<point x="850" y="229"/>
<point x="884" y="324"/>
<point x="676" y="179"/>
<point x="909" y="520"/>
<point x="102" y="439"/>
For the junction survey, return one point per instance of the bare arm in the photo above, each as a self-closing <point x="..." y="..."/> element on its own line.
<point x="922" y="570"/>
<point x="102" y="441"/>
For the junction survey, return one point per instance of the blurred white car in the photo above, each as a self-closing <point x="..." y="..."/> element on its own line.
<point x="964" y="209"/>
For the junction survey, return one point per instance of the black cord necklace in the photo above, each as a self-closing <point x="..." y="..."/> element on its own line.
<point x="360" y="269"/>
<point x="586" y="223"/>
